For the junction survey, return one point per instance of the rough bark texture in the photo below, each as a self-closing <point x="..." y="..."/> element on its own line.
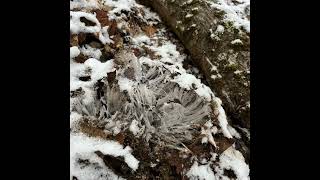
<point x="231" y="78"/>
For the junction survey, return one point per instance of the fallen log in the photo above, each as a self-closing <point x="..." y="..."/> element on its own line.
<point x="218" y="45"/>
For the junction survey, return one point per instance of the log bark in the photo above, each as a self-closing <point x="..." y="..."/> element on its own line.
<point x="225" y="64"/>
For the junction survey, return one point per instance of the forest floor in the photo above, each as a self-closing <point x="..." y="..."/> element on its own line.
<point x="140" y="109"/>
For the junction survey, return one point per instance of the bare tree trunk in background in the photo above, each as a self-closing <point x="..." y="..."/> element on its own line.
<point x="224" y="62"/>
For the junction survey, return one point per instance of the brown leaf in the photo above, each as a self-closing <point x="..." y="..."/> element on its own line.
<point x="102" y="17"/>
<point x="92" y="131"/>
<point x="74" y="40"/>
<point x="149" y="30"/>
<point x="81" y="58"/>
<point x="136" y="52"/>
<point x="118" y="42"/>
<point x="116" y="164"/>
<point x="150" y="52"/>
<point x="111" y="77"/>
<point x="120" y="138"/>
<point x="223" y="143"/>
<point x="112" y="30"/>
<point x="81" y="38"/>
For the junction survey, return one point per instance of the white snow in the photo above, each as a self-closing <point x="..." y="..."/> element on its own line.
<point x="119" y="5"/>
<point x="207" y="131"/>
<point x="213" y="156"/>
<point x="189" y="1"/>
<point x="168" y="53"/>
<point x="99" y="69"/>
<point x="195" y="9"/>
<point x="187" y="81"/>
<point x="213" y="67"/>
<point x="125" y="84"/>
<point x="91" y="52"/>
<point x="87" y="4"/>
<point x="202" y="172"/>
<point x="236" y="41"/>
<point x="96" y="170"/>
<point x="152" y="17"/>
<point x="104" y="36"/>
<point x="213" y="76"/>
<point x="193" y="25"/>
<point x="80" y="143"/>
<point x="189" y="15"/>
<point x="222" y="118"/>
<point x="96" y="70"/>
<point x="74" y="117"/>
<point x="235" y="13"/>
<point x="237" y="72"/>
<point x="233" y="159"/>
<point x="141" y="39"/>
<point x="168" y="58"/>
<point x="220" y="29"/>
<point x="233" y="132"/>
<point x="76" y="26"/>
<point x="153" y="165"/>
<point x="74" y="52"/>
<point x="135" y="129"/>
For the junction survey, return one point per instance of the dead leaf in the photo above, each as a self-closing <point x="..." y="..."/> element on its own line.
<point x="81" y="58"/>
<point x="81" y="37"/>
<point x="112" y="30"/>
<point x="120" y="138"/>
<point x="102" y="17"/>
<point x="149" y="30"/>
<point x="74" y="40"/>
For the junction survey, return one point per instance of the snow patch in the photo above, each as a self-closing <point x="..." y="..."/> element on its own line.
<point x="91" y="52"/>
<point x="235" y="12"/>
<point x="74" y="117"/>
<point x="189" y="81"/>
<point x="104" y="36"/>
<point x="202" y="172"/>
<point x="87" y="4"/>
<point x="168" y="53"/>
<point x="80" y="143"/>
<point x="220" y="29"/>
<point x="222" y="118"/>
<point x="74" y="52"/>
<point x="234" y="132"/>
<point x="236" y="41"/>
<point x="99" y="69"/>
<point x="140" y="39"/>
<point x="207" y="130"/>
<point x="135" y="129"/>
<point x="76" y="26"/>
<point x="125" y="84"/>
<point x="189" y="15"/>
<point x="119" y="5"/>
<point x="232" y="159"/>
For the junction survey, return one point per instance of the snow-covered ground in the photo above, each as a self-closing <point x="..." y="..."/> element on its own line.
<point x="149" y="71"/>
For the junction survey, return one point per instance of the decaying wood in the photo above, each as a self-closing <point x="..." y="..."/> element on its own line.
<point x="225" y="65"/>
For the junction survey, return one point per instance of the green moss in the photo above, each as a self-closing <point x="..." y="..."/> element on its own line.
<point x="229" y="26"/>
<point x="231" y="67"/>
<point x="219" y="14"/>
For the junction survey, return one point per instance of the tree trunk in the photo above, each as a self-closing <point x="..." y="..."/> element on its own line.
<point x="221" y="50"/>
